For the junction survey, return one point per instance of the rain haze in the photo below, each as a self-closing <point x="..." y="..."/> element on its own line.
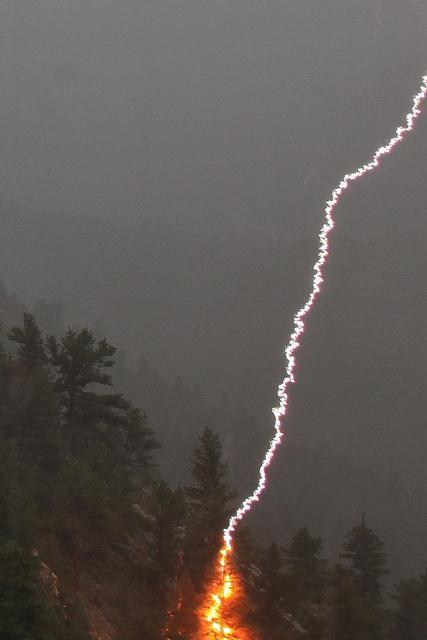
<point x="163" y="172"/>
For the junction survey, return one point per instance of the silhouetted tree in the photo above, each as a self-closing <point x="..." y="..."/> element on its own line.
<point x="31" y="347"/>
<point x="365" y="554"/>
<point x="357" y="612"/>
<point x="270" y="592"/>
<point x="80" y="362"/>
<point x="305" y="582"/>
<point x="164" y="533"/>
<point x="305" y="567"/>
<point x="347" y="607"/>
<point x="209" y="498"/>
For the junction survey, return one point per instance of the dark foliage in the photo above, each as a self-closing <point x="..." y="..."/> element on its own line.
<point x="208" y="500"/>
<point x="410" y="618"/>
<point x="92" y="538"/>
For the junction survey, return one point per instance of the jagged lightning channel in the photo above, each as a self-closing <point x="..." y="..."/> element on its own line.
<point x="301" y="315"/>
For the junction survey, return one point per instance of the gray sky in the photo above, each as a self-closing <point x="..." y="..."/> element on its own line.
<point x="203" y="115"/>
<point x="195" y="111"/>
<point x="220" y="128"/>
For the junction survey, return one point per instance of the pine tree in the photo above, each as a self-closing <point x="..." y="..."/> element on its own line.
<point x="103" y="429"/>
<point x="167" y="511"/>
<point x="164" y="532"/>
<point x="248" y="554"/>
<point x="209" y="499"/>
<point x="6" y="404"/>
<point x="305" y="567"/>
<point x="5" y="420"/>
<point x="347" y="607"/>
<point x="270" y="591"/>
<point x="109" y="449"/>
<point x="365" y="554"/>
<point x="357" y="611"/>
<point x="80" y="362"/>
<point x="305" y="582"/>
<point x="138" y="448"/>
<point x="36" y="417"/>
<point x="2" y="349"/>
<point x="31" y="346"/>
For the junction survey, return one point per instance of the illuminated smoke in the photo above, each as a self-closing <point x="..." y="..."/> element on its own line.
<point x="300" y="316"/>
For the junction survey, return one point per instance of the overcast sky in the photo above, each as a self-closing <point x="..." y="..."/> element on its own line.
<point x="198" y="111"/>
<point x="231" y="115"/>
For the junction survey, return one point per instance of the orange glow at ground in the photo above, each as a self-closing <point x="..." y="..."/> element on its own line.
<point x="221" y="614"/>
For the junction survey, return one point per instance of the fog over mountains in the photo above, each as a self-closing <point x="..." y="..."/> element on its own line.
<point x="163" y="169"/>
<point x="211" y="114"/>
<point x="197" y="309"/>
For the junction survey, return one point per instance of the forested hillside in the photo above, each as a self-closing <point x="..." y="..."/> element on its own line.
<point x="214" y="309"/>
<point x="328" y="499"/>
<point x="165" y="170"/>
<point x="94" y="543"/>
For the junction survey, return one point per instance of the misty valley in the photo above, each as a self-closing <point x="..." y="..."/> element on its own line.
<point x="212" y="320"/>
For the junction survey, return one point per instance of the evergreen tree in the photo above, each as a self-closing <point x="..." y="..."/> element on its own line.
<point x="270" y="591"/>
<point x="31" y="346"/>
<point x="103" y="429"/>
<point x="36" y="417"/>
<point x="164" y="533"/>
<point x="209" y="499"/>
<point x="365" y="554"/>
<point x="357" y="611"/>
<point x="248" y="553"/>
<point x="109" y="449"/>
<point x="347" y="607"/>
<point x="167" y="511"/>
<point x="80" y="362"/>
<point x="5" y="443"/>
<point x="182" y="623"/>
<point x="6" y="404"/>
<point x="305" y="567"/>
<point x="138" y="448"/>
<point x="2" y="349"/>
<point x="74" y="462"/>
<point x="305" y="582"/>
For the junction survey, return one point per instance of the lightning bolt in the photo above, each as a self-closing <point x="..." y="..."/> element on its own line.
<point x="214" y="616"/>
<point x="301" y="315"/>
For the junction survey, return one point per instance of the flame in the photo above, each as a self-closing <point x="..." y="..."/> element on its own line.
<point x="220" y="619"/>
<point x="218" y="598"/>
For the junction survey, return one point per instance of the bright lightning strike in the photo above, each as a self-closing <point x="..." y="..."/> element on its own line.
<point x="214" y="615"/>
<point x="301" y="315"/>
